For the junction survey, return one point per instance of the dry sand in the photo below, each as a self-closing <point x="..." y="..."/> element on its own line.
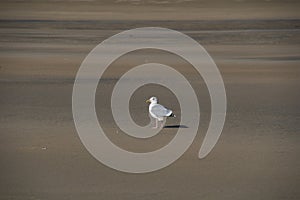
<point x="256" y="47"/>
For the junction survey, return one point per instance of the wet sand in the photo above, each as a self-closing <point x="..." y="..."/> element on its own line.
<point x="256" y="47"/>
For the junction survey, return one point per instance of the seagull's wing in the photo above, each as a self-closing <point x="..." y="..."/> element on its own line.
<point x="160" y="111"/>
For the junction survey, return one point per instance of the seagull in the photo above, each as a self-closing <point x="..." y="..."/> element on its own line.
<point x="158" y="111"/>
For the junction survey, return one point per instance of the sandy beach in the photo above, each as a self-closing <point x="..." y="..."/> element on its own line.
<point x="255" y="45"/>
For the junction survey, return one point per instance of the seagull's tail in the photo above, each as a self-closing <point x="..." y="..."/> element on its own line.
<point x="172" y="115"/>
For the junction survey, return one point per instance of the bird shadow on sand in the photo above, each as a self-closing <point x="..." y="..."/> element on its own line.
<point x="176" y="126"/>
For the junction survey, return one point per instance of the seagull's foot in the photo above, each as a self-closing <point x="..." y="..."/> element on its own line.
<point x="154" y="127"/>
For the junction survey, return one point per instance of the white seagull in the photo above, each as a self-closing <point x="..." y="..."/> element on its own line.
<point x="158" y="111"/>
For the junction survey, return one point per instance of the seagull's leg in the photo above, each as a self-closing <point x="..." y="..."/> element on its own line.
<point x="162" y="123"/>
<point x="156" y="123"/>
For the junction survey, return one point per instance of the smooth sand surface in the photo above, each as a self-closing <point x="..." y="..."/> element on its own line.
<point x="256" y="47"/>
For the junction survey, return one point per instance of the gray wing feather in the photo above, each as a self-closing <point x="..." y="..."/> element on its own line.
<point x="161" y="111"/>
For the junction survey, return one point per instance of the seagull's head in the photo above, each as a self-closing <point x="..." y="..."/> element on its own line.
<point x="152" y="100"/>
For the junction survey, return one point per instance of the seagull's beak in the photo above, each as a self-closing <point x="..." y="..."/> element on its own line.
<point x="148" y="101"/>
